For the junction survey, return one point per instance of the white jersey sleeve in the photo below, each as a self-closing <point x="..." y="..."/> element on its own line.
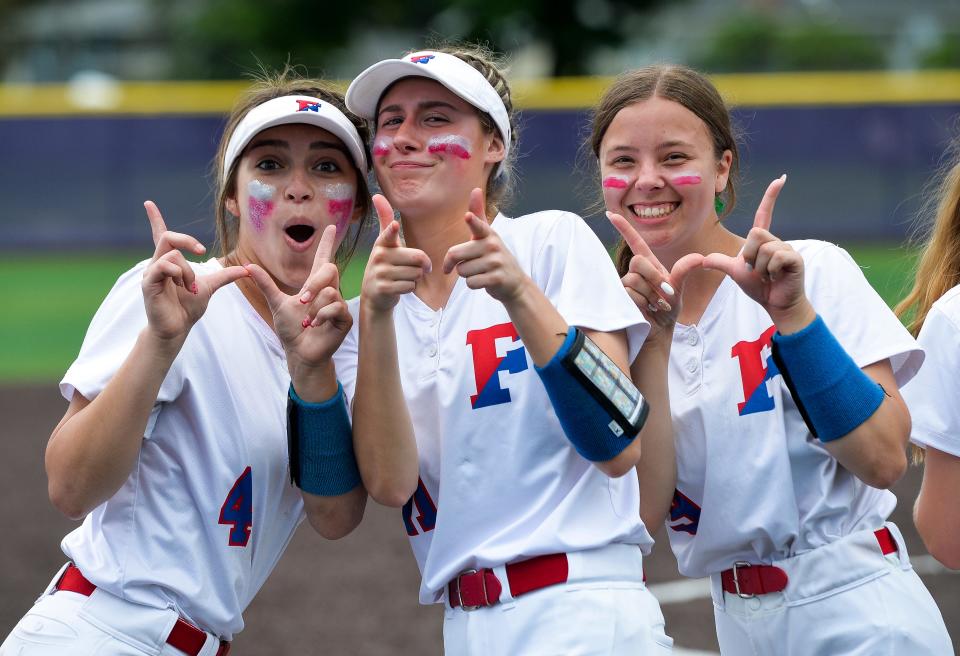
<point x="575" y="271"/>
<point x="345" y="357"/>
<point x="844" y="299"/>
<point x="934" y="395"/>
<point x="110" y="338"/>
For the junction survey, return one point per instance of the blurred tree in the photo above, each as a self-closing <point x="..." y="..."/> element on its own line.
<point x="216" y="38"/>
<point x="759" y="42"/>
<point x="945" y="55"/>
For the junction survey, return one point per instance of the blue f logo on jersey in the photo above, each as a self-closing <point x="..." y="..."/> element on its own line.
<point x="487" y="365"/>
<point x="756" y="368"/>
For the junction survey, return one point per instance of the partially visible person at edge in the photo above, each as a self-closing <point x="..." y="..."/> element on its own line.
<point x="518" y="485"/>
<point x="784" y="375"/>
<point x="932" y="310"/>
<point x="173" y="449"/>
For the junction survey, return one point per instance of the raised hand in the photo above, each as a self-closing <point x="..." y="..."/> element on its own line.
<point x="174" y="296"/>
<point x="768" y="270"/>
<point x="312" y="323"/>
<point x="484" y="261"/>
<point x="657" y="292"/>
<point x="392" y="268"/>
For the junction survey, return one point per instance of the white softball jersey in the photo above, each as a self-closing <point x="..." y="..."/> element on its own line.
<point x="753" y="484"/>
<point x="208" y="508"/>
<point x="933" y="396"/>
<point x="499" y="481"/>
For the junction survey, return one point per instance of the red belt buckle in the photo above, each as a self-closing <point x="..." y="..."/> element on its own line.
<point x="474" y="588"/>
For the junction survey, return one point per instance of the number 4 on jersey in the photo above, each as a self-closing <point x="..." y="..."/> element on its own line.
<point x="237" y="509"/>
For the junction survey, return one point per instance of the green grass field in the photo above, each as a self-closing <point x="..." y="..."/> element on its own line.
<point x="49" y="299"/>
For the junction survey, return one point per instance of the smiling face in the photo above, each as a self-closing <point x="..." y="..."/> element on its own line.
<point x="430" y="149"/>
<point x="659" y="170"/>
<point x="292" y="181"/>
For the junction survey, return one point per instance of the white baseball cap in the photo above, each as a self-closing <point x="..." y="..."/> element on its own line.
<point x="295" y="109"/>
<point x="458" y="76"/>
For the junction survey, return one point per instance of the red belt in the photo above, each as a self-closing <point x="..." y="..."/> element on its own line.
<point x="477" y="588"/>
<point x="184" y="636"/>
<point x="748" y="580"/>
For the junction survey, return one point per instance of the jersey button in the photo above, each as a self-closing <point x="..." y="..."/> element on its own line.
<point x="692" y="339"/>
<point x="692" y="365"/>
<point x="432" y="351"/>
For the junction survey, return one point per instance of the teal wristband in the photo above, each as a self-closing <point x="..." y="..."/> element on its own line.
<point x="832" y="394"/>
<point x="320" y="445"/>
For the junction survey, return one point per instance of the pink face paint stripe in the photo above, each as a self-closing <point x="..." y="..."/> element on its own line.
<point x="687" y="179"/>
<point x="453" y="144"/>
<point x="382" y="146"/>
<point x="615" y="182"/>
<point x="260" y="203"/>
<point x="340" y="204"/>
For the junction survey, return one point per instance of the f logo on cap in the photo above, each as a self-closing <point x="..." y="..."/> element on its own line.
<point x="308" y="106"/>
<point x="422" y="59"/>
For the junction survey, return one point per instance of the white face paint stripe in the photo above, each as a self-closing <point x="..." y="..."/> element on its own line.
<point x="339" y="191"/>
<point x="260" y="190"/>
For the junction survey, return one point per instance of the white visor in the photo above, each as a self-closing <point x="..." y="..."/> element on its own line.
<point x="458" y="76"/>
<point x="295" y="109"/>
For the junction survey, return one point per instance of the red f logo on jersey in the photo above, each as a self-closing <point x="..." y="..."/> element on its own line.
<point x="487" y="364"/>
<point x="756" y="368"/>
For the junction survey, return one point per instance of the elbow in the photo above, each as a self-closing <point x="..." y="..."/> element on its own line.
<point x="334" y="528"/>
<point x="335" y="517"/>
<point x="392" y="496"/>
<point x="947" y="552"/>
<point x="884" y="472"/>
<point x="66" y="501"/>
<point x="615" y="468"/>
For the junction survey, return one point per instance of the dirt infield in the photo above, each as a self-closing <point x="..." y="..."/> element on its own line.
<point x="356" y="596"/>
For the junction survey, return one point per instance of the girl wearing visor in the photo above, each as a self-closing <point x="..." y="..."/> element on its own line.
<point x="173" y="449"/>
<point x="493" y="399"/>
<point x="784" y="374"/>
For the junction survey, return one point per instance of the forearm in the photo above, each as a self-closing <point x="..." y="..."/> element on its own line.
<point x="875" y="451"/>
<point x="538" y="323"/>
<point x="937" y="513"/>
<point x="335" y="517"/>
<point x="383" y="436"/>
<point x="657" y="469"/>
<point x="94" y="448"/>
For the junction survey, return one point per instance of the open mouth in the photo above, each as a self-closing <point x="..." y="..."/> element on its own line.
<point x="300" y="233"/>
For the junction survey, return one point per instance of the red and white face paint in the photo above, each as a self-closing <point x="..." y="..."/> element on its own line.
<point x="260" y="203"/>
<point x="382" y="146"/>
<point x="616" y="182"/>
<point x="340" y="199"/>
<point x="451" y="144"/>
<point x="686" y="178"/>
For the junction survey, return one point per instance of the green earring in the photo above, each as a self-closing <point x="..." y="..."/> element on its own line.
<point x="718" y="205"/>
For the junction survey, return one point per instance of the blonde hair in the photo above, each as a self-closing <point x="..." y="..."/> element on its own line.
<point x="267" y="86"/>
<point x="685" y="87"/>
<point x="938" y="268"/>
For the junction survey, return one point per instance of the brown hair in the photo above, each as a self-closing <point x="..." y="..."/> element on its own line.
<point x="938" y="268"/>
<point x="267" y="86"/>
<point x="686" y="87"/>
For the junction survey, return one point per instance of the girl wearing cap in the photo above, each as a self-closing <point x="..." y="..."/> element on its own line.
<point x="518" y="484"/>
<point x="784" y="368"/>
<point x="173" y="449"/>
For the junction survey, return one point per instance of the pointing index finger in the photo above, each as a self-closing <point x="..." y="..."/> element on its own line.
<point x="764" y="216"/>
<point x="630" y="235"/>
<point x="325" y="248"/>
<point x="157" y="226"/>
